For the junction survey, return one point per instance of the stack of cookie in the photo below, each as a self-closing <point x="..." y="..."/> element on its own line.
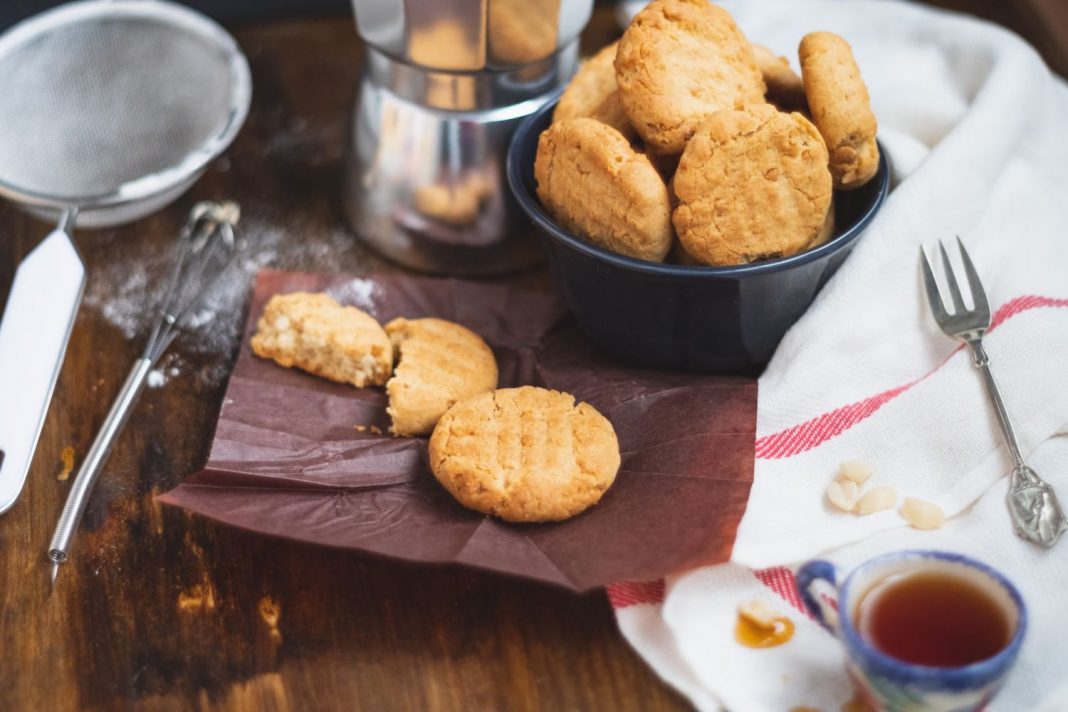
<point x="522" y="454"/>
<point x="685" y="141"/>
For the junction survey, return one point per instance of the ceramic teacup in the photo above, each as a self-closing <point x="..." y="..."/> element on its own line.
<point x="889" y="683"/>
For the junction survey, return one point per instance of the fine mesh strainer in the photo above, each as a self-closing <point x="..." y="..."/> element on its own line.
<point x="109" y="110"/>
<point x="113" y="107"/>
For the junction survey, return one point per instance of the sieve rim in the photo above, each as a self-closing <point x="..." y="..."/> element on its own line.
<point x="166" y="13"/>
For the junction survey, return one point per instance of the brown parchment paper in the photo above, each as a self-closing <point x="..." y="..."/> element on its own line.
<point x="288" y="460"/>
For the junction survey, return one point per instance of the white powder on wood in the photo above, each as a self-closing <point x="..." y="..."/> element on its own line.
<point x="125" y="288"/>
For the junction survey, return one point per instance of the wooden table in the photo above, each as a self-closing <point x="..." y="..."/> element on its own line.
<point x="162" y="610"/>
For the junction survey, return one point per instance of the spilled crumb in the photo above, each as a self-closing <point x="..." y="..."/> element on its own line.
<point x="271" y="612"/>
<point x="67" y="455"/>
<point x="360" y="428"/>
<point x="200" y="597"/>
<point x="375" y="430"/>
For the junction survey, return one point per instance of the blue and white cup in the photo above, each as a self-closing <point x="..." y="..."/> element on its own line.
<point x="887" y="683"/>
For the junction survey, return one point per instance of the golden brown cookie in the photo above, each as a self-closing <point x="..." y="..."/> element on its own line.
<point x="840" y="107"/>
<point x="440" y="363"/>
<point x="525" y="454"/>
<point x="664" y="163"/>
<point x="592" y="94"/>
<point x="316" y="334"/>
<point x="751" y="185"/>
<point x="678" y="62"/>
<point x="826" y="231"/>
<point x="784" y="87"/>
<point x="597" y="186"/>
<point x="522" y="31"/>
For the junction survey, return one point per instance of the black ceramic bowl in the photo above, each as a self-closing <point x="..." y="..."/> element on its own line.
<point x="716" y="319"/>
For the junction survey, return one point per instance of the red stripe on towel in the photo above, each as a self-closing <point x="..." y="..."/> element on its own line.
<point x="781" y="580"/>
<point x="812" y="433"/>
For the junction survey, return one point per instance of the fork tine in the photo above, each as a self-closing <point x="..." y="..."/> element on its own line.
<point x="978" y="293"/>
<point x="951" y="281"/>
<point x="934" y="299"/>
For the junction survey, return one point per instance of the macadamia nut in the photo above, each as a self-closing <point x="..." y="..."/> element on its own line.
<point x="855" y="470"/>
<point x="922" y="515"/>
<point x="843" y="494"/>
<point x="876" y="500"/>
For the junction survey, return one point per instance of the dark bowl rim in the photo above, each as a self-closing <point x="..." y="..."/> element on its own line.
<point x="532" y="207"/>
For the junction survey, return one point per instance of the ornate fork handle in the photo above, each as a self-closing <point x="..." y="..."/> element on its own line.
<point x="1036" y="513"/>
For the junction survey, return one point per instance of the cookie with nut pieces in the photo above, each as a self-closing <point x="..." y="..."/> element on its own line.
<point x="314" y="333"/>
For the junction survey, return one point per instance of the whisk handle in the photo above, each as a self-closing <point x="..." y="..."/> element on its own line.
<point x="94" y="461"/>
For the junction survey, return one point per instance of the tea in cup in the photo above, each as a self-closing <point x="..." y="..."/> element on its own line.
<point x="923" y="630"/>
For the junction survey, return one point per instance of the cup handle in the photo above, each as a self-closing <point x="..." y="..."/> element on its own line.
<point x="822" y="608"/>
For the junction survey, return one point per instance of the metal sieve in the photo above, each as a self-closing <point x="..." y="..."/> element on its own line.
<point x="109" y="110"/>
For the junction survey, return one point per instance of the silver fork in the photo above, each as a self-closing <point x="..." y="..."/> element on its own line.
<point x="1036" y="513"/>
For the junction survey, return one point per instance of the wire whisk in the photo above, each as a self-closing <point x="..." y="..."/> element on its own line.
<point x="206" y="248"/>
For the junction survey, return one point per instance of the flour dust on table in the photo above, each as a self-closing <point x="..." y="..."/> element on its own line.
<point x="126" y="292"/>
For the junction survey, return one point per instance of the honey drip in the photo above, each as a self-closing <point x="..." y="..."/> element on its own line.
<point x="752" y="635"/>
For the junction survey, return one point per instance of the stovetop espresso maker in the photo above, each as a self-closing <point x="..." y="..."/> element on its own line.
<point x="445" y="83"/>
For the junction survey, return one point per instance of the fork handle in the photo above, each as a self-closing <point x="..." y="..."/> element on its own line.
<point x="982" y="362"/>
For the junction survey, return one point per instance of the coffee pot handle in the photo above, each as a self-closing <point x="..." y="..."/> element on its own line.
<point x="823" y="606"/>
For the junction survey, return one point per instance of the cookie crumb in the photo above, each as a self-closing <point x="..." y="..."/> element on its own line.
<point x="375" y="430"/>
<point x="67" y="456"/>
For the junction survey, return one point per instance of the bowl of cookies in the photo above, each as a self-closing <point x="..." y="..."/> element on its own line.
<point x="694" y="192"/>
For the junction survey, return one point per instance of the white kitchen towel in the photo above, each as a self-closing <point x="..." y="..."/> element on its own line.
<point x="977" y="130"/>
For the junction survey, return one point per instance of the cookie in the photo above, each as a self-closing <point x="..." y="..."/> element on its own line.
<point x="826" y="231"/>
<point x="525" y="454"/>
<point x="840" y="107"/>
<point x="597" y="186"/>
<point x="678" y="62"/>
<point x="440" y="363"/>
<point x="751" y="185"/>
<point x="783" y="86"/>
<point x="314" y="333"/>
<point x="522" y="31"/>
<point x="592" y="94"/>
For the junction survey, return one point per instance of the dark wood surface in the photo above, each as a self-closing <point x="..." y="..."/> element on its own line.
<point x="162" y="610"/>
